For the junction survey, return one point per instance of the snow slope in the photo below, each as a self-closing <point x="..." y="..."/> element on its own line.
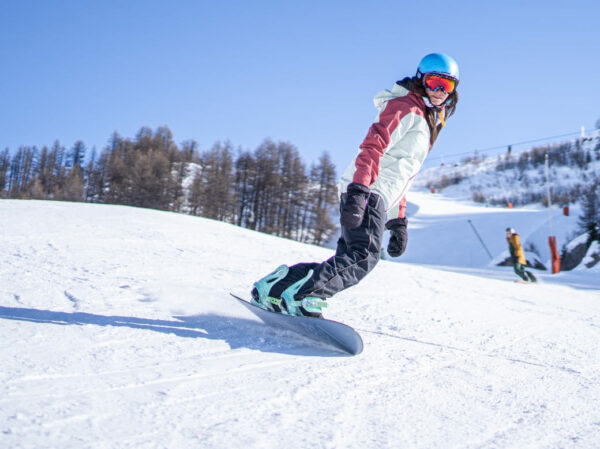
<point x="117" y="331"/>
<point x="440" y="232"/>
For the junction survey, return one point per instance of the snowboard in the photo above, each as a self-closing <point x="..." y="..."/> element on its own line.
<point x="328" y="332"/>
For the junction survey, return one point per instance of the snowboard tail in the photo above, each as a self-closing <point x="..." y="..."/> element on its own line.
<point x="332" y="333"/>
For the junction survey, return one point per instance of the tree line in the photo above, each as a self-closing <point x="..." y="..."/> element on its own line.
<point x="269" y="189"/>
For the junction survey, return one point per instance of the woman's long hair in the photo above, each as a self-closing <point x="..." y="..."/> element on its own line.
<point x="415" y="85"/>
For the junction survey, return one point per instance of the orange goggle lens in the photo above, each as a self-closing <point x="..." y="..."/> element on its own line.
<point x="436" y="82"/>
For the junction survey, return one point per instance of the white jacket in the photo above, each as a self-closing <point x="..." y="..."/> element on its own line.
<point x="394" y="149"/>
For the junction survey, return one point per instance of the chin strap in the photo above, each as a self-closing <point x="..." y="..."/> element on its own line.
<point x="441" y="114"/>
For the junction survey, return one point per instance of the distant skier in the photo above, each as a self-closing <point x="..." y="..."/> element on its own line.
<point x="373" y="190"/>
<point x="518" y="256"/>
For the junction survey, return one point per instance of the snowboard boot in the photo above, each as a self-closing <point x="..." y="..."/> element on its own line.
<point x="309" y="306"/>
<point x="260" y="292"/>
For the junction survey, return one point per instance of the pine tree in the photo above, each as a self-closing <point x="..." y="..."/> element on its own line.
<point x="43" y="174"/>
<point x="291" y="200"/>
<point x="57" y="172"/>
<point x="149" y="181"/>
<point x="323" y="199"/>
<point x="217" y="180"/>
<point x="22" y="172"/>
<point x="97" y="183"/>
<point x="119" y="161"/>
<point x="73" y="188"/>
<point x="196" y="193"/>
<point x="76" y="155"/>
<point x="181" y="171"/>
<point x="266" y="185"/>
<point x="245" y="183"/>
<point x="589" y="221"/>
<point x="4" y="166"/>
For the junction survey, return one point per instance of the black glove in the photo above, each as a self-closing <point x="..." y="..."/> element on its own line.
<point x="353" y="208"/>
<point x="398" y="238"/>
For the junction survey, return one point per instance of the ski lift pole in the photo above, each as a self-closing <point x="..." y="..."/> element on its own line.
<point x="480" y="239"/>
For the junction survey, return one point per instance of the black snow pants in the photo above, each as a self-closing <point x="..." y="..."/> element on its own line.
<point x="358" y="251"/>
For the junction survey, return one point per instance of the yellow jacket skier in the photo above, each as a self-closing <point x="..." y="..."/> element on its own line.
<point x="518" y="256"/>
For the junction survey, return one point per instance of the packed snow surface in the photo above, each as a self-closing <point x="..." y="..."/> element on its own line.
<point x="117" y="331"/>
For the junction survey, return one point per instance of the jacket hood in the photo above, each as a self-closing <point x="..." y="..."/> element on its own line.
<point x="397" y="91"/>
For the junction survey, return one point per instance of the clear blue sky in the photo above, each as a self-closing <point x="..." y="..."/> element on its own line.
<point x="298" y="71"/>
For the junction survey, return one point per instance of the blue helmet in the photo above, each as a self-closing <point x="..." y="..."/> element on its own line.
<point x="438" y="63"/>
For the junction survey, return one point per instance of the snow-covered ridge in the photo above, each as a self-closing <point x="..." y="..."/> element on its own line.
<point x="519" y="178"/>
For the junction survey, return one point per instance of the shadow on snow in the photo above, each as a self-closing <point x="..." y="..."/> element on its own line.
<point x="237" y="332"/>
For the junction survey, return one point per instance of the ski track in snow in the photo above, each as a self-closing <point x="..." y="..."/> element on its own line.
<point x="117" y="331"/>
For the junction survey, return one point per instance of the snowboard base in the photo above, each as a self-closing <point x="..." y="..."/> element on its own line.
<point x="331" y="333"/>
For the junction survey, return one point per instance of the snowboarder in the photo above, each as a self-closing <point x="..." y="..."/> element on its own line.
<point x="373" y="190"/>
<point x="518" y="256"/>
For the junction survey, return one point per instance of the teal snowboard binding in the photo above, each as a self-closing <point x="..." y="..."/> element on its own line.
<point x="287" y="304"/>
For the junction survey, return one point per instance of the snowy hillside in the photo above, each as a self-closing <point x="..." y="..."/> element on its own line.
<point x="117" y="332"/>
<point x="519" y="177"/>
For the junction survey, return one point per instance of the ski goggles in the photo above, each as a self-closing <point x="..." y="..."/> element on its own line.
<point x="437" y="82"/>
